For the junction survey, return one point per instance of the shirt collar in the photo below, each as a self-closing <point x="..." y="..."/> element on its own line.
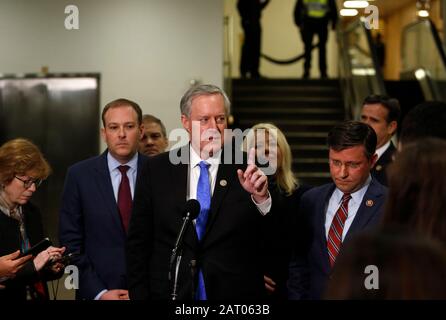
<point x="114" y="164"/>
<point x="195" y="158"/>
<point x="356" y="196"/>
<point x="382" y="149"/>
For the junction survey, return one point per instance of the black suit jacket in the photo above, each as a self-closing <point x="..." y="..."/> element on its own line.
<point x="229" y="253"/>
<point x="379" y="170"/>
<point x="10" y="241"/>
<point x="310" y="270"/>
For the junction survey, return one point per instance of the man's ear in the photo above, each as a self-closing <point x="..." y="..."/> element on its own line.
<point x="186" y="122"/>
<point x="141" y="131"/>
<point x="391" y="127"/>
<point x="373" y="160"/>
<point x="103" y="134"/>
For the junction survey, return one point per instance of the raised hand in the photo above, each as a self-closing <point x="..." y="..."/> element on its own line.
<point x="253" y="180"/>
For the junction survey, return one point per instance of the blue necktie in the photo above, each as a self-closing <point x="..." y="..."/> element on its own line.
<point x="204" y="197"/>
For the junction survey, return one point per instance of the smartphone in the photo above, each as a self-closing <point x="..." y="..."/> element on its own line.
<point x="37" y="248"/>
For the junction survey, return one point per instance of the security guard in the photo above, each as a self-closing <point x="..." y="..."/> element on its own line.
<point x="312" y="17"/>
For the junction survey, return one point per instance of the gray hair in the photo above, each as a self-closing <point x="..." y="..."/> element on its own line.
<point x="201" y="90"/>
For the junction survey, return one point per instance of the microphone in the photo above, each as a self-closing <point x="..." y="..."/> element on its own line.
<point x="190" y="212"/>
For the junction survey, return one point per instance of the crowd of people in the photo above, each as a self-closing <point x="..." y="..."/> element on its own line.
<point x="255" y="236"/>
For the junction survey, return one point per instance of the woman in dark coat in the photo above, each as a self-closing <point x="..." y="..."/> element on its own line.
<point x="22" y="169"/>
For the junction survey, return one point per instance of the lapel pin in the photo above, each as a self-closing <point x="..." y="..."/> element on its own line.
<point x="379" y="167"/>
<point x="223" y="182"/>
<point x="369" y="203"/>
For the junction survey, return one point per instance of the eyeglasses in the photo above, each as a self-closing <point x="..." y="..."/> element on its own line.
<point x="339" y="164"/>
<point x="28" y="183"/>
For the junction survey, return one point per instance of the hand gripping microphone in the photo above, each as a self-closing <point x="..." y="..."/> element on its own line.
<point x="190" y="212"/>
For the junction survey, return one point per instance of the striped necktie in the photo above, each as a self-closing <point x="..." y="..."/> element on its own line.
<point x="334" y="240"/>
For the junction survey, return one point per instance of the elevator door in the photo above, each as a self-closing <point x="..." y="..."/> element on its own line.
<point x="61" y="116"/>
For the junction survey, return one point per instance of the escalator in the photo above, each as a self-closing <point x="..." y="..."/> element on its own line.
<point x="423" y="71"/>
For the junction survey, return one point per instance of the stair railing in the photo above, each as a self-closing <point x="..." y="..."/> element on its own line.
<point x="423" y="58"/>
<point x="359" y="72"/>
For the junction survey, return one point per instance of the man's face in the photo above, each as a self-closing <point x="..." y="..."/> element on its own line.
<point x="153" y="141"/>
<point x="376" y="115"/>
<point x="350" y="168"/>
<point x="122" y="132"/>
<point x="208" y="118"/>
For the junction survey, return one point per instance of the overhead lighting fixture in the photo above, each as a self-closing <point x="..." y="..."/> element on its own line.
<point x="348" y="12"/>
<point x="423" y="13"/>
<point x="420" y="74"/>
<point x="356" y="4"/>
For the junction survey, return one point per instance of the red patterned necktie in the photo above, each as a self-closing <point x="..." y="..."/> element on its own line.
<point x="124" y="197"/>
<point x="334" y="240"/>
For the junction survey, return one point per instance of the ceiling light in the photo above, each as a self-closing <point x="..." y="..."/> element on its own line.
<point x="356" y="4"/>
<point x="423" y="13"/>
<point x="348" y="12"/>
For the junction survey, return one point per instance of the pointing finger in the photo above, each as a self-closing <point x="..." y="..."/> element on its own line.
<point x="252" y="156"/>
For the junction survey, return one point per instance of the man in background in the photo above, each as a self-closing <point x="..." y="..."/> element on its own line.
<point x="154" y="140"/>
<point x="382" y="114"/>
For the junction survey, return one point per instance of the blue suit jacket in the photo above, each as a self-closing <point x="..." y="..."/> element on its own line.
<point x="310" y="268"/>
<point x="90" y="224"/>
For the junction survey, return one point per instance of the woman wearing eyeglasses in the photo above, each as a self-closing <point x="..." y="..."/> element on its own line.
<point x="22" y="169"/>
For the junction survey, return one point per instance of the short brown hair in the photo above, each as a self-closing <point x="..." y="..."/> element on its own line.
<point x="350" y="134"/>
<point x="19" y="157"/>
<point x="152" y="119"/>
<point x="122" y="103"/>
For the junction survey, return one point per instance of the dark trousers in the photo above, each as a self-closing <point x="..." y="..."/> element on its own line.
<point x="310" y="28"/>
<point x="250" y="59"/>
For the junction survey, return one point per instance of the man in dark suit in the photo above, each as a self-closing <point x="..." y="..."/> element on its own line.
<point x="233" y="196"/>
<point x="334" y="212"/>
<point x="96" y="204"/>
<point x="250" y="12"/>
<point x="382" y="114"/>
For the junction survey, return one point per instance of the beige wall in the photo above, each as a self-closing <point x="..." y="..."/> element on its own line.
<point x="145" y="50"/>
<point x="280" y="40"/>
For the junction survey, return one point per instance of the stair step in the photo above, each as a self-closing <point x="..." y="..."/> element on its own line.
<point x="299" y="111"/>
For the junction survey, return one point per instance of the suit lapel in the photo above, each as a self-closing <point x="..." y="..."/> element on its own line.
<point x="321" y="209"/>
<point x="225" y="173"/>
<point x="367" y="210"/>
<point x="105" y="187"/>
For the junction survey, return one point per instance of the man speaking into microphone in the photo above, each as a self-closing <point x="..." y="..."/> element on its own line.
<point x="221" y="250"/>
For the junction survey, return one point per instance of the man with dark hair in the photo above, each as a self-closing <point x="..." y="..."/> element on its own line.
<point x="97" y="203"/>
<point x="154" y="141"/>
<point x="427" y="119"/>
<point x="382" y="114"/>
<point x="331" y="214"/>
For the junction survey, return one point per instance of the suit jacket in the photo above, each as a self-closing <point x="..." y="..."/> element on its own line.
<point x="229" y="253"/>
<point x="379" y="170"/>
<point x="10" y="241"/>
<point x="90" y="224"/>
<point x="310" y="270"/>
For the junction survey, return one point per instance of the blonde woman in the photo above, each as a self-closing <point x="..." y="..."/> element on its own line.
<point x="274" y="152"/>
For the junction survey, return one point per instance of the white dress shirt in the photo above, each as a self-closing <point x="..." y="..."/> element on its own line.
<point x="194" y="175"/>
<point x="380" y="151"/>
<point x="353" y="206"/>
<point x="116" y="176"/>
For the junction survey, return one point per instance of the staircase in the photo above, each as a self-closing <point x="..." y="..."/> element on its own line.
<point x="304" y="110"/>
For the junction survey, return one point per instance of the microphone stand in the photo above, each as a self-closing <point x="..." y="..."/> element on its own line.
<point x="175" y="257"/>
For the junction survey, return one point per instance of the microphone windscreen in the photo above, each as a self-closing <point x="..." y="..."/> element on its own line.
<point x="192" y="208"/>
